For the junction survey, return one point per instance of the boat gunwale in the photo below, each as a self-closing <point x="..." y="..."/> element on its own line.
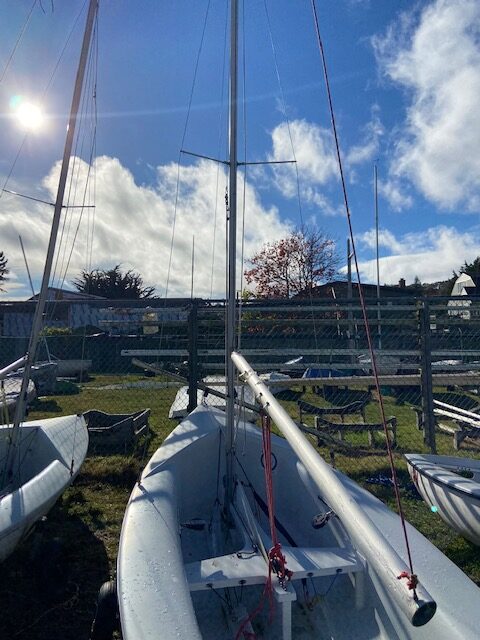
<point x="422" y="467"/>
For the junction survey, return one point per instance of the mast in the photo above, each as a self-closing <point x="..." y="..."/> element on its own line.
<point x="40" y="308"/>
<point x="232" y="237"/>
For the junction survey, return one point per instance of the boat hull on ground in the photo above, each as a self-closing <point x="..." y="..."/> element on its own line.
<point x="50" y="454"/>
<point x="179" y="408"/>
<point x="454" y="497"/>
<point x="173" y="526"/>
<point x="73" y="368"/>
<point x="9" y="394"/>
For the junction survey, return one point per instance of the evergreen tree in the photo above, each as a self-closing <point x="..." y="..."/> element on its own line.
<point x="3" y="269"/>
<point x="113" y="284"/>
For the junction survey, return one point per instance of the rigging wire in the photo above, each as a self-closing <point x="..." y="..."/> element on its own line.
<point x="197" y="62"/>
<point x="289" y="129"/>
<point x="284" y="109"/>
<point x="93" y="183"/>
<point x="17" y="42"/>
<point x="60" y="269"/>
<point x="362" y="298"/>
<point x="81" y="137"/>
<point x="62" y="263"/>
<point x="45" y="91"/>
<point x="220" y="136"/>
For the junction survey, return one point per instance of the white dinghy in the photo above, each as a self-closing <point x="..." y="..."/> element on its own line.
<point x="451" y="487"/>
<point x="179" y="408"/>
<point x="40" y="459"/>
<point x="49" y="456"/>
<point x="181" y="568"/>
<point x="256" y="536"/>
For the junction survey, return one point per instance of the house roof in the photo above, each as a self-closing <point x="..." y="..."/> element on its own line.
<point x="339" y="289"/>
<point x="55" y="293"/>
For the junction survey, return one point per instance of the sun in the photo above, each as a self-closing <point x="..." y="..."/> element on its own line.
<point x="30" y="116"/>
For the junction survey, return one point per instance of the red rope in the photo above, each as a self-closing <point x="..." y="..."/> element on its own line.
<point x="361" y="296"/>
<point x="277" y="562"/>
<point x="412" y="580"/>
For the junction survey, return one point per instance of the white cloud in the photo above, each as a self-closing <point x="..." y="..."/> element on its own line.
<point x="385" y="239"/>
<point x="396" y="194"/>
<point x="435" y="57"/>
<point x="431" y="255"/>
<point x="370" y="145"/>
<point x="133" y="227"/>
<point x="312" y="148"/>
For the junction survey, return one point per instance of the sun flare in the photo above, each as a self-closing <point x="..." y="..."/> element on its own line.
<point x="30" y="116"/>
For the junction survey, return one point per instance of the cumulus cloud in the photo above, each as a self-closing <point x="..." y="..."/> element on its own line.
<point x="431" y="255"/>
<point x="133" y="226"/>
<point x="435" y="56"/>
<point x="396" y="194"/>
<point x="312" y="148"/>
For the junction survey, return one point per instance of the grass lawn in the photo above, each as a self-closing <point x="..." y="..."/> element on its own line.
<point x="48" y="587"/>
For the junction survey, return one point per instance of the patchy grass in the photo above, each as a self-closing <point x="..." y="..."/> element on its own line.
<point x="48" y="587"/>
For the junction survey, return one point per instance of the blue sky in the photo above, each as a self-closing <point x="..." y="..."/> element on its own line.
<point x="405" y="78"/>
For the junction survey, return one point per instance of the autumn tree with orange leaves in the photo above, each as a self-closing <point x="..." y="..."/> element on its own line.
<point x="292" y="266"/>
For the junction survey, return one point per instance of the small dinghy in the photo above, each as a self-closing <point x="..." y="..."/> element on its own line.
<point x="179" y="408"/>
<point x="451" y="487"/>
<point x="74" y="368"/>
<point x="39" y="459"/>
<point x="181" y="568"/>
<point x="49" y="454"/>
<point x="43" y="375"/>
<point x="9" y="393"/>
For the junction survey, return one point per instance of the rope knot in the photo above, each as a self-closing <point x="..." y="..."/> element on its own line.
<point x="278" y="564"/>
<point x="412" y="579"/>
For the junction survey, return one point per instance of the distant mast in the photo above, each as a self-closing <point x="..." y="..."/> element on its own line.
<point x="193" y="267"/>
<point x="375" y="192"/>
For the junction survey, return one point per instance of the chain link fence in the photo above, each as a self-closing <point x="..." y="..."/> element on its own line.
<point x="152" y="359"/>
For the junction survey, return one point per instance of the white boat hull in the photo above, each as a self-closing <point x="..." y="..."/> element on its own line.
<point x="73" y="368"/>
<point x="454" y="497"/>
<point x="179" y="407"/>
<point x="9" y="394"/>
<point x="50" y="454"/>
<point x="166" y="563"/>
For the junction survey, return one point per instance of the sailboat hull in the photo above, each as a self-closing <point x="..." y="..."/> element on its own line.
<point x="50" y="454"/>
<point x="454" y="497"/>
<point x="176" y="554"/>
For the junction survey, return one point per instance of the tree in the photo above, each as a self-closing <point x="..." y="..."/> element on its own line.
<point x="293" y="265"/>
<point x="113" y="284"/>
<point x="3" y="270"/>
<point x="472" y="269"/>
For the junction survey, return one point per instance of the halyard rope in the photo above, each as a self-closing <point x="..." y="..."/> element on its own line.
<point x="411" y="577"/>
